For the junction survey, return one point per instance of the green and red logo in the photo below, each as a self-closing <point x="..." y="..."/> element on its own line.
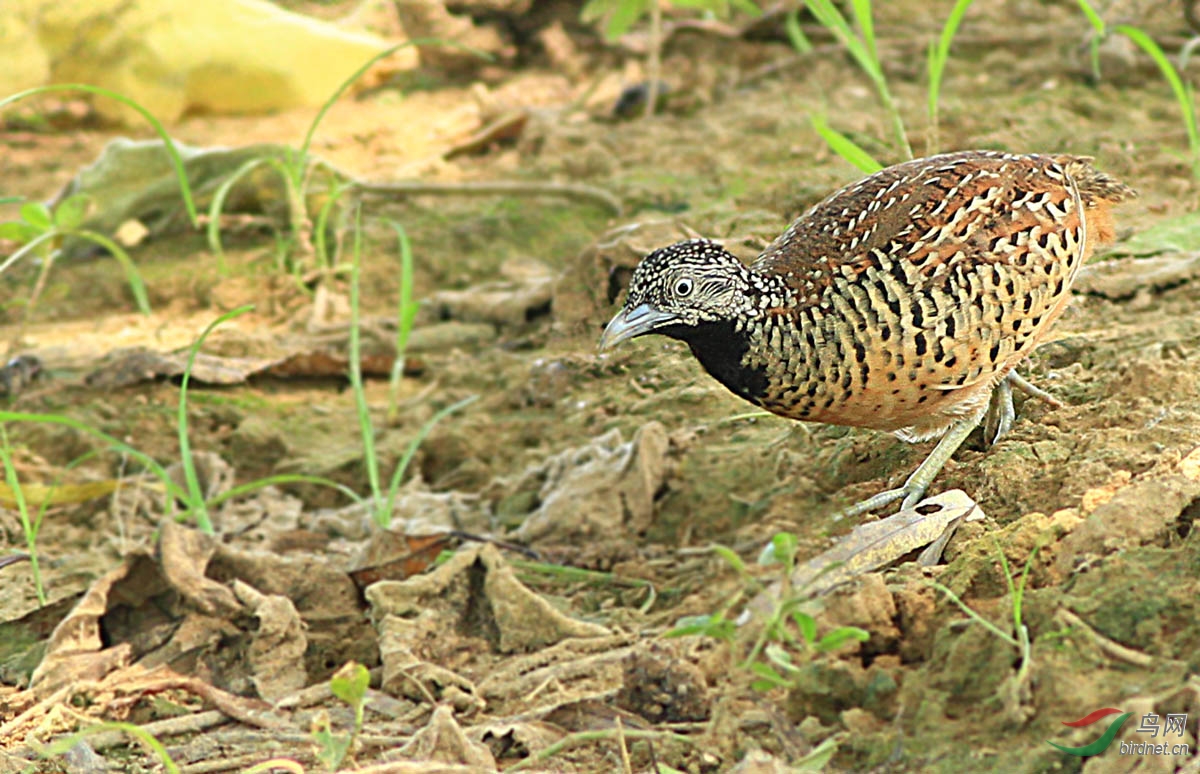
<point x="1101" y="744"/>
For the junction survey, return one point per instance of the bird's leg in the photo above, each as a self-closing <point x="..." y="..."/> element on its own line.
<point x="1000" y="412"/>
<point x="914" y="488"/>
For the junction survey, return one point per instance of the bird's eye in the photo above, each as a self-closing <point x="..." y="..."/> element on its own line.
<point x="683" y="287"/>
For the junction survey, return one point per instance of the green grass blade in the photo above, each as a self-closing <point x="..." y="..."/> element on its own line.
<point x="28" y="526"/>
<point x="366" y="430"/>
<point x="283" y="478"/>
<point x="61" y="746"/>
<point x="941" y="53"/>
<point x="845" y="147"/>
<point x="1019" y="591"/>
<point x="185" y="188"/>
<point x="985" y="623"/>
<point x="866" y="27"/>
<point x="1183" y="94"/>
<point x="795" y="33"/>
<point x="217" y="206"/>
<point x="406" y="316"/>
<point x="1093" y="17"/>
<point x="195" y="498"/>
<point x="831" y="18"/>
<point x="346" y="84"/>
<point x="862" y="49"/>
<point x="132" y="276"/>
<point x="410" y="452"/>
<point x="26" y="249"/>
<point x="173" y="490"/>
<point x="322" y="223"/>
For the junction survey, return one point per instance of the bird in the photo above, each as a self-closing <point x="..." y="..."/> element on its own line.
<point x="900" y="303"/>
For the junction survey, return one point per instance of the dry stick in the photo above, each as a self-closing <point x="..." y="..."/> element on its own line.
<point x="573" y="191"/>
<point x="654" y="58"/>
<point x="1109" y="647"/>
<point x="593" y="736"/>
<point x="244" y="761"/>
<point x="41" y="708"/>
<point x="180" y="726"/>
<point x="626" y="766"/>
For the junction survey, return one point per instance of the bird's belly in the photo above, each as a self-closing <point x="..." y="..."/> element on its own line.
<point x="894" y="376"/>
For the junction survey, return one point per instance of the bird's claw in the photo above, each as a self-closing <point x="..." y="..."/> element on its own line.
<point x="909" y="495"/>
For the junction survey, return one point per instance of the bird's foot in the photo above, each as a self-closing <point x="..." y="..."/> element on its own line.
<point x="1001" y="414"/>
<point x="1032" y="390"/>
<point x="910" y="494"/>
<point x="914" y="488"/>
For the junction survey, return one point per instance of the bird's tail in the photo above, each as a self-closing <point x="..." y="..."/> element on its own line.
<point x="1094" y="186"/>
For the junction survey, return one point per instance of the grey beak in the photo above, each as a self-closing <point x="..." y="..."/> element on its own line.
<point x="637" y="321"/>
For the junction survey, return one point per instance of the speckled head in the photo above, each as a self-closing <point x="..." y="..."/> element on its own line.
<point x="679" y="288"/>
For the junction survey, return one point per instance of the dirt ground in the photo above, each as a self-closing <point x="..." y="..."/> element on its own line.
<point x="628" y="464"/>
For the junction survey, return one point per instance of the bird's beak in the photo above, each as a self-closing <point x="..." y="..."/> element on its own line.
<point x="637" y="321"/>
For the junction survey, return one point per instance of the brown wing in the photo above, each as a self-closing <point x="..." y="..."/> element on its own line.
<point x="943" y="273"/>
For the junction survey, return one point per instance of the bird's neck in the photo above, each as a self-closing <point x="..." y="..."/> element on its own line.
<point x="721" y="347"/>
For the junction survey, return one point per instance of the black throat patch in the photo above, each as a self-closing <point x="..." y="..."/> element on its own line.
<point x="720" y="348"/>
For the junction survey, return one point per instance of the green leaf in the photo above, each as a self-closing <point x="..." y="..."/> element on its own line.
<point x="594" y="9"/>
<point x="72" y="211"/>
<point x="624" y="16"/>
<point x="331" y="748"/>
<point x="841" y="636"/>
<point x="350" y="683"/>
<point x="37" y="215"/>
<point x="782" y="548"/>
<point x="780" y="658"/>
<point x="768" y="677"/>
<point x="18" y="231"/>
<point x="806" y="624"/>
<point x="714" y="626"/>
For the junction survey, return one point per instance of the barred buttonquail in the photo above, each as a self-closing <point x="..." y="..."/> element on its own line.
<point x="900" y="303"/>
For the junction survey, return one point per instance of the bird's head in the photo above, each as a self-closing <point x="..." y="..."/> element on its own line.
<point x="678" y="289"/>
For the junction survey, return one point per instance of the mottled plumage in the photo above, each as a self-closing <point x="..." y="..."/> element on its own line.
<point x="898" y="303"/>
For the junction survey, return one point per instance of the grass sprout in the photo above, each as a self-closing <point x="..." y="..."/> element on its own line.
<point x="939" y="54"/>
<point x="862" y="48"/>
<point x="382" y="502"/>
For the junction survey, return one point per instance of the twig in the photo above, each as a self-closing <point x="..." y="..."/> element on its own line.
<point x="575" y="191"/>
<point x="593" y="736"/>
<point x="1109" y="647"/>
<point x="195" y="723"/>
<point x="626" y="766"/>
<point x="654" y="58"/>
